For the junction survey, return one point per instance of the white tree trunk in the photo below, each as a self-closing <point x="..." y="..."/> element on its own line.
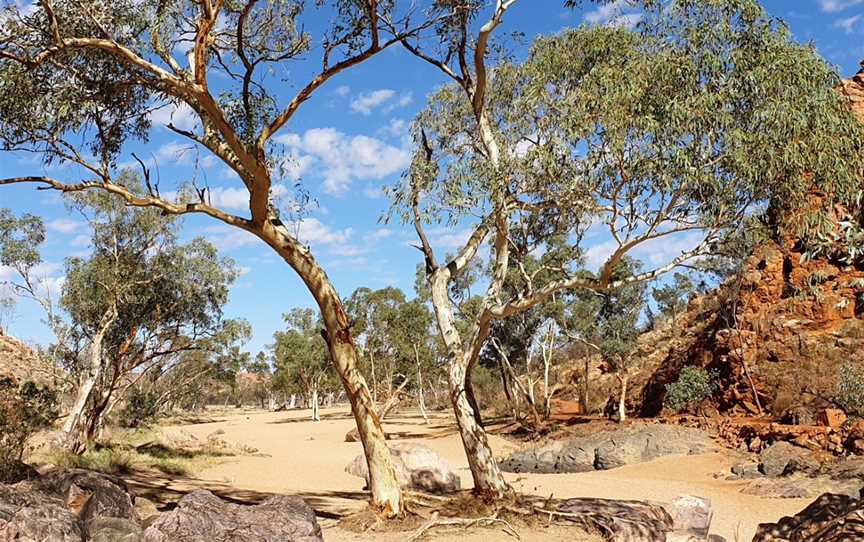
<point x="383" y="484"/>
<point x="314" y="400"/>
<point x="488" y="479"/>
<point x="622" y="399"/>
<point x="74" y="427"/>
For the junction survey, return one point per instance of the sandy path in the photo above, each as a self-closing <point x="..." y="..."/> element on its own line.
<point x="307" y="459"/>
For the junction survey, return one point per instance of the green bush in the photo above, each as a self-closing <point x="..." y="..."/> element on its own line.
<point x="141" y="408"/>
<point x="24" y="411"/>
<point x="850" y="389"/>
<point x="693" y="386"/>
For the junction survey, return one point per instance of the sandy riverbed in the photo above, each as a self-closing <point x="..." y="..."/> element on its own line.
<point x="297" y="456"/>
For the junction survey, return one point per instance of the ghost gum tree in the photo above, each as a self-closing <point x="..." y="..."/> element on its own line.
<point x="138" y="302"/>
<point x="79" y="80"/>
<point x="703" y="115"/>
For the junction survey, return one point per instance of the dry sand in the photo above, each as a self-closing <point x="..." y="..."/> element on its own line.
<point x="297" y="456"/>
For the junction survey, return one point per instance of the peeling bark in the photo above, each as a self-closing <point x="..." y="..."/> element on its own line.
<point x="384" y="486"/>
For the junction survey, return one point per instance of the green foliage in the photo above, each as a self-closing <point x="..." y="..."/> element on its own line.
<point x="693" y="386"/>
<point x="685" y="121"/>
<point x="850" y="389"/>
<point x="300" y="356"/>
<point x="141" y="408"/>
<point x="24" y="411"/>
<point x="671" y="298"/>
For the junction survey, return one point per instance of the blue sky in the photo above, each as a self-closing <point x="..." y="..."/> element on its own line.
<point x="349" y="141"/>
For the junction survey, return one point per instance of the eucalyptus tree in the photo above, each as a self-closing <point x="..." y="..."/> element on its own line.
<point x="706" y="113"/>
<point x="300" y="356"/>
<point x="79" y="80"/>
<point x="671" y="298"/>
<point x="136" y="302"/>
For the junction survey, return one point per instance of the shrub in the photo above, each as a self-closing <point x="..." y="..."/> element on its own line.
<point x="694" y="385"/>
<point x="850" y="389"/>
<point x="141" y="408"/>
<point x="24" y="411"/>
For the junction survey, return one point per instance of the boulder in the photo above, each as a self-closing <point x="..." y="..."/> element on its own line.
<point x="830" y="518"/>
<point x="27" y="515"/>
<point x="90" y="495"/>
<point x="610" y="449"/>
<point x="40" y="523"/>
<point x="691" y="515"/>
<point x="114" y="530"/>
<point x="203" y="517"/>
<point x="784" y="458"/>
<point x="746" y="470"/>
<point x="417" y="466"/>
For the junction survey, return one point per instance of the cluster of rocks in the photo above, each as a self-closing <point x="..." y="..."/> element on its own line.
<point x="418" y="467"/>
<point x="783" y="470"/>
<point x="78" y="506"/>
<point x="610" y="449"/>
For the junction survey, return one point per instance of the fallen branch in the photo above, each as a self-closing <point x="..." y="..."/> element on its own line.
<point x="465" y="522"/>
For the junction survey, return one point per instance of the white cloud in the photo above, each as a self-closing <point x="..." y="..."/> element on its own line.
<point x="180" y="153"/>
<point x="343" y="90"/>
<point x="848" y="24"/>
<point x="833" y="6"/>
<point x="380" y="233"/>
<point x="235" y="199"/>
<point x="80" y="241"/>
<point x="447" y="238"/>
<point x="342" y="159"/>
<point x="654" y="253"/>
<point x="617" y="13"/>
<point x="365" y="103"/>
<point x="64" y="225"/>
<point x="181" y="116"/>
<point x="395" y="128"/>
<point x="309" y="231"/>
<point x="386" y="99"/>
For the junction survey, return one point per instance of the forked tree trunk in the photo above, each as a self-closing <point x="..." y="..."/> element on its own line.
<point x="74" y="438"/>
<point x="488" y="479"/>
<point x="383" y="484"/>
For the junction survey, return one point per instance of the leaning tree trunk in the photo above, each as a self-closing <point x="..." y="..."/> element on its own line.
<point x="383" y="484"/>
<point x="74" y="430"/>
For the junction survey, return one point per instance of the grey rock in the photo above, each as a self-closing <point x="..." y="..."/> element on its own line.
<point x="46" y="521"/>
<point x="89" y="494"/>
<point x="610" y="449"/>
<point x="202" y="517"/>
<point x="417" y="466"/>
<point x="747" y="470"/>
<point x="784" y="458"/>
<point x="114" y="530"/>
